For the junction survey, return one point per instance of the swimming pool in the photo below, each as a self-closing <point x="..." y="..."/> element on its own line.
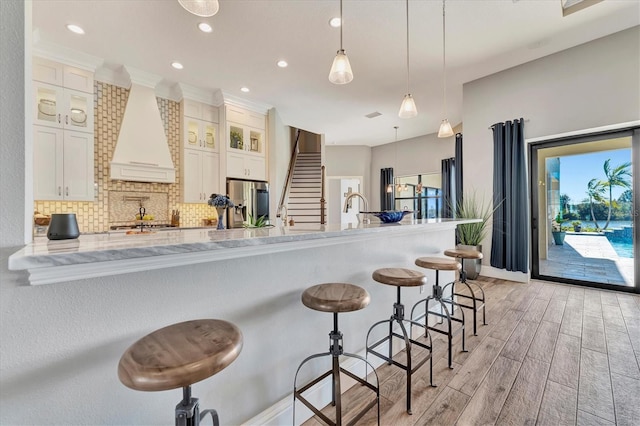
<point x="624" y="249"/>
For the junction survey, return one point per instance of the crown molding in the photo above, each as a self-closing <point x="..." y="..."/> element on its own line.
<point x="143" y="78"/>
<point x="236" y="101"/>
<point x="64" y="55"/>
<point x="200" y="95"/>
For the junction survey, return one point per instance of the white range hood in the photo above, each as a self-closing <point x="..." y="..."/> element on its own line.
<point x="142" y="151"/>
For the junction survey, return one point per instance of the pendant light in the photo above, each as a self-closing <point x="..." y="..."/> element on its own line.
<point x="204" y="8"/>
<point x="408" y="107"/>
<point x="390" y="186"/>
<point x="341" y="68"/>
<point x="445" y="127"/>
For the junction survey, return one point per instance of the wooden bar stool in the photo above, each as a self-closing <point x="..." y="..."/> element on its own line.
<point x="400" y="277"/>
<point x="335" y="298"/>
<point x="477" y="300"/>
<point x="178" y="356"/>
<point x="441" y="264"/>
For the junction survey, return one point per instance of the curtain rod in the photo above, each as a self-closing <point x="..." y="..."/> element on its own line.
<point x="526" y="120"/>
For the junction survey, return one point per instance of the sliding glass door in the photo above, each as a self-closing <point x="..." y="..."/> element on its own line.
<point x="585" y="210"/>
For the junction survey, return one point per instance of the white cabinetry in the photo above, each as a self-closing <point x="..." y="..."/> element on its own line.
<point x="63" y="164"/>
<point x="245" y="166"/>
<point x="246" y="144"/>
<point x="63" y="132"/>
<point x="200" y="167"/>
<point x="201" y="175"/>
<point x="63" y="96"/>
<point x="200" y="126"/>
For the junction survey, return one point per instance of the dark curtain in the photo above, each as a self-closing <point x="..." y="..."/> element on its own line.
<point x="509" y="242"/>
<point x="387" y="199"/>
<point x="458" y="170"/>
<point x="448" y="186"/>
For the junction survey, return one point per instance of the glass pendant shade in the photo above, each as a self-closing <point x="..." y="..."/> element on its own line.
<point x="408" y="108"/>
<point x="341" y="69"/>
<point x="204" y="8"/>
<point x="445" y="129"/>
<point x="389" y="188"/>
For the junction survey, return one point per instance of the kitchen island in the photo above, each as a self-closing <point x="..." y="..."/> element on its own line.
<point x="119" y="252"/>
<point x="108" y="290"/>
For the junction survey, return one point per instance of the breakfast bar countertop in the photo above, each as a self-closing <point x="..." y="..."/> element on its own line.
<point x="116" y="253"/>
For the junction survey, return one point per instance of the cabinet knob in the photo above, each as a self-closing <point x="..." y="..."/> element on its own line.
<point x="59" y="190"/>
<point x="66" y="191"/>
<point x="59" y="119"/>
<point x="66" y="119"/>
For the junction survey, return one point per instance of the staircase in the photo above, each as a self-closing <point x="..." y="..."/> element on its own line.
<point x="306" y="189"/>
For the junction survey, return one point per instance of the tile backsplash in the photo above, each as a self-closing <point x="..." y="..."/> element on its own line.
<point x="109" y="105"/>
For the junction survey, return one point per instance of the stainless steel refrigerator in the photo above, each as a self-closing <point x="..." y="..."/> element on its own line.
<point x="249" y="198"/>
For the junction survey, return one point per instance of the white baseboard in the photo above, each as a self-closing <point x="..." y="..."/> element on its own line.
<point x="490" y="271"/>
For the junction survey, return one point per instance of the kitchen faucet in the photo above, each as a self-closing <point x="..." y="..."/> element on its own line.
<point x="286" y="212"/>
<point x="347" y="204"/>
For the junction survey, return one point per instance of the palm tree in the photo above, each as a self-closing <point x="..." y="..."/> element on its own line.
<point x="618" y="176"/>
<point x="595" y="189"/>
<point x="564" y="203"/>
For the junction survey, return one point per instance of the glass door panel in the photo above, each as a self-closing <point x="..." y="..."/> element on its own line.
<point x="583" y="212"/>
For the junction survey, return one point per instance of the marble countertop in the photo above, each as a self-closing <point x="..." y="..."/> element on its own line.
<point x="186" y="246"/>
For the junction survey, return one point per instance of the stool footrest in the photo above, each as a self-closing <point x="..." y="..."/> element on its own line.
<point x="477" y="308"/>
<point x="298" y="394"/>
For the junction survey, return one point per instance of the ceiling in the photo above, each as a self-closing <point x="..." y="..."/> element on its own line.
<point x="250" y="36"/>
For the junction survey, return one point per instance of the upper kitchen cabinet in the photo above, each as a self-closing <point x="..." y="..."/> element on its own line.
<point x="246" y="131"/>
<point x="200" y="126"/>
<point x="246" y="144"/>
<point x="63" y="96"/>
<point x="200" y="166"/>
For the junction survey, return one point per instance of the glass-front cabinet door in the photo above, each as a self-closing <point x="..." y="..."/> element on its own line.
<point x="246" y="139"/>
<point x="236" y="137"/>
<point x="256" y="141"/>
<point x="63" y="108"/>
<point x="200" y="135"/>
<point x="78" y="114"/>
<point x="48" y="100"/>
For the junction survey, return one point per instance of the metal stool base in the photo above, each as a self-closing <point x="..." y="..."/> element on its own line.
<point x="188" y="411"/>
<point x="335" y="351"/>
<point x="398" y="318"/>
<point x="478" y="301"/>
<point x="437" y="295"/>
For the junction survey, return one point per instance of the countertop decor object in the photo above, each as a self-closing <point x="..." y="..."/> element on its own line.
<point x="41" y="219"/>
<point x="390" y="216"/>
<point x="63" y="226"/>
<point x="220" y="202"/>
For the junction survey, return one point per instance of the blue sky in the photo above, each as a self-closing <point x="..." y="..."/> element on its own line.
<point x="577" y="170"/>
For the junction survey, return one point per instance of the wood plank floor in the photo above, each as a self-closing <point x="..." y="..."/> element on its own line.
<point x="551" y="354"/>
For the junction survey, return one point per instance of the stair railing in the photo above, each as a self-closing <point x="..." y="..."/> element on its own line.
<point x="322" y="200"/>
<point x="287" y="182"/>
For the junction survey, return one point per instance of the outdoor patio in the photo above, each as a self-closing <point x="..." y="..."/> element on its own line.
<point x="588" y="257"/>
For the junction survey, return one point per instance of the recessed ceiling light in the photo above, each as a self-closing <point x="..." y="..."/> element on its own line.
<point x="244" y="89"/>
<point x="335" y="22"/>
<point x="282" y="64"/>
<point x="75" y="29"/>
<point x="204" y="27"/>
<point x="177" y="65"/>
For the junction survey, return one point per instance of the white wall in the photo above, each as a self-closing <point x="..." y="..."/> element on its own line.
<point x="591" y="85"/>
<point x="349" y="161"/>
<point x="279" y="156"/>
<point x="408" y="157"/>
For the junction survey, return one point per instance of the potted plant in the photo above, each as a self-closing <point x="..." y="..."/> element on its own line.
<point x="470" y="235"/>
<point x="557" y="232"/>
<point x="577" y="226"/>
